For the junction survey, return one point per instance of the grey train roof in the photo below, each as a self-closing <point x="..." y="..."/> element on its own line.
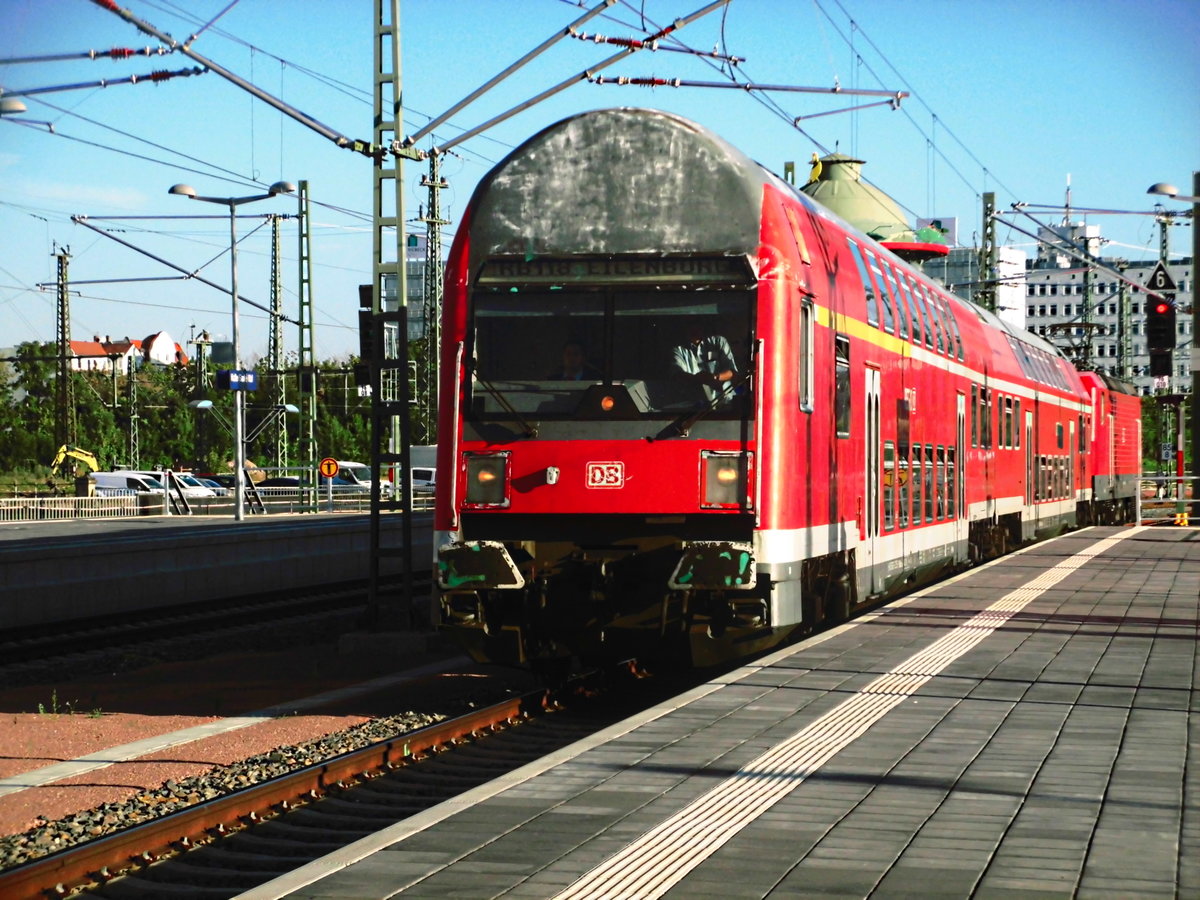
<point x="598" y="183"/>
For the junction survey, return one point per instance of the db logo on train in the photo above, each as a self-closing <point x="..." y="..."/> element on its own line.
<point x="605" y="474"/>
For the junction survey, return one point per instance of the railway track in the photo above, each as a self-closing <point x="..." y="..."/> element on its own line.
<point x="229" y="844"/>
<point x="28" y="653"/>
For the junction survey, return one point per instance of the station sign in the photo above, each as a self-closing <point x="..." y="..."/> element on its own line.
<point x="237" y="379"/>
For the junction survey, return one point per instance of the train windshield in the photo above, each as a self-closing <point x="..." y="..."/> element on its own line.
<point x="541" y="350"/>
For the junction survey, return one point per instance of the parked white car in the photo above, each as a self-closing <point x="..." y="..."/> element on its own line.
<point x="192" y="488"/>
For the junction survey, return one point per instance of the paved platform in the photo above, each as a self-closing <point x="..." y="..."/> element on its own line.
<point x="1028" y="729"/>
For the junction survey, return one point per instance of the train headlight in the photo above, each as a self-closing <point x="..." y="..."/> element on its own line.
<point x="723" y="478"/>
<point x="487" y="479"/>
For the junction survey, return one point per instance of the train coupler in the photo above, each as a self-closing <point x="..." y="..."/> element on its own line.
<point x="714" y="566"/>
<point x="477" y="565"/>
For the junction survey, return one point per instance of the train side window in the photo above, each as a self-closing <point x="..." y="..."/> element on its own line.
<point x="805" y="367"/>
<point x="885" y="301"/>
<point x="902" y="481"/>
<point x="941" y="482"/>
<point x="929" y="482"/>
<point x="1058" y="435"/>
<point x="889" y="485"/>
<point x="939" y="304"/>
<point x="893" y="286"/>
<point x="958" y="344"/>
<point x="1017" y="424"/>
<point x="913" y="315"/>
<point x="867" y="283"/>
<point x="918" y="293"/>
<point x="931" y="300"/>
<point x="915" y="478"/>
<point x="946" y="319"/>
<point x="985" y="419"/>
<point x="1008" y="422"/>
<point x="1082" y="440"/>
<point x="951" y="483"/>
<point x="974" y="415"/>
<point x="842" y="385"/>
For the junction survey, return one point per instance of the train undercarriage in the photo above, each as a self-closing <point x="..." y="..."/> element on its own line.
<point x="685" y="595"/>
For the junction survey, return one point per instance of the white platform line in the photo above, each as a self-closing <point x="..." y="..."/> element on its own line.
<point x="661" y="858"/>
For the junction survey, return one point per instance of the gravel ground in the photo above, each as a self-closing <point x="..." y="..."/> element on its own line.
<point x="47" y="723"/>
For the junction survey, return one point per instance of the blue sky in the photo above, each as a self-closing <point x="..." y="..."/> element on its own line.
<point x="1011" y="96"/>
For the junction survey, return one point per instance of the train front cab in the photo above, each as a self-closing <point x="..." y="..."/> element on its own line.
<point x="606" y="511"/>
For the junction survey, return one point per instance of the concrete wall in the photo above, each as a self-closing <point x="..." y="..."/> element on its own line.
<point x="122" y="566"/>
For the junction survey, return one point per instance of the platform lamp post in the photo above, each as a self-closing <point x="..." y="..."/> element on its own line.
<point x="237" y="385"/>
<point x="1169" y="190"/>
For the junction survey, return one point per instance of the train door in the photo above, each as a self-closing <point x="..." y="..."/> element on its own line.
<point x="874" y="478"/>
<point x="1070" y="491"/>
<point x="958" y="476"/>
<point x="1030" y="475"/>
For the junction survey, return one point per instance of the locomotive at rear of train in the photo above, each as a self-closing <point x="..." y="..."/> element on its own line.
<point x="690" y="413"/>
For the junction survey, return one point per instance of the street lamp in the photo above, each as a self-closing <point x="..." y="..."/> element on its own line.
<point x="1164" y="189"/>
<point x="239" y="394"/>
<point x="1169" y="190"/>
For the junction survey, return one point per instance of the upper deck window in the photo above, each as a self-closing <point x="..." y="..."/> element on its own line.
<point x="867" y="283"/>
<point x="928" y="303"/>
<point x="891" y="279"/>
<point x="885" y="300"/>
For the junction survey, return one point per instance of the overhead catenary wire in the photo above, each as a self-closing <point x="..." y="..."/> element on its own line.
<point x="575" y="79"/>
<point x="111" y="53"/>
<point x="1072" y="249"/>
<point x="82" y="220"/>
<point x="641" y="44"/>
<point x="916" y="97"/>
<point x="155" y="77"/>
<point x="496" y="79"/>
<point x="303" y="118"/>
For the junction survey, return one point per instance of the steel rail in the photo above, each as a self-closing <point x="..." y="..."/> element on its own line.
<point x="97" y="861"/>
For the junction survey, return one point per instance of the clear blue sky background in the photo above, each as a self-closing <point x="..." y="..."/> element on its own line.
<point x="1010" y="96"/>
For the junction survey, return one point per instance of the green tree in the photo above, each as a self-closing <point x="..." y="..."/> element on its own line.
<point x="30" y="427"/>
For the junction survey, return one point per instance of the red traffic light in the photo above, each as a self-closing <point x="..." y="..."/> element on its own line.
<point x="1162" y="307"/>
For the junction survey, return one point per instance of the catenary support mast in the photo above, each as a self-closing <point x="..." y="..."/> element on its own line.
<point x="434" y="274"/>
<point x="307" y="361"/>
<point x="390" y="415"/>
<point x="64" y="395"/>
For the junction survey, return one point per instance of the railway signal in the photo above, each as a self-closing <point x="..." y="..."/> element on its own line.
<point x="1160" y="335"/>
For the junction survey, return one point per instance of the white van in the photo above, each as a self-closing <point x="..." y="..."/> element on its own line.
<point x="424" y="479"/>
<point x="356" y="473"/>
<point x="109" y="484"/>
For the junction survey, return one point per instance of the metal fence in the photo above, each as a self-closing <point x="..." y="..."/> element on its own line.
<point x="42" y="509"/>
<point x="1169" y="500"/>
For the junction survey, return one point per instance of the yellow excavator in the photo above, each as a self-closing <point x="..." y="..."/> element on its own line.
<point x="82" y="458"/>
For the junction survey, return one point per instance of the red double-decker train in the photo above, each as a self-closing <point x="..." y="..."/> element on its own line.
<point x="689" y="413"/>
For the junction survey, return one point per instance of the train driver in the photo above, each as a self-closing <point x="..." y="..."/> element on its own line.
<point x="575" y="366"/>
<point x="708" y="361"/>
